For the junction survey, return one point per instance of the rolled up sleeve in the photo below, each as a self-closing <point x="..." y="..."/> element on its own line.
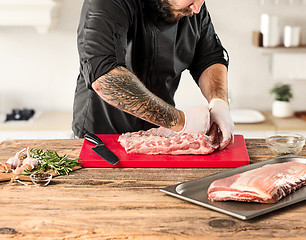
<point x="102" y="38"/>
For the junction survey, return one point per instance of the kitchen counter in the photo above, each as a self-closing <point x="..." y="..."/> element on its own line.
<point x="126" y="203"/>
<point x="41" y="121"/>
<point x="271" y="125"/>
<point x="43" y="125"/>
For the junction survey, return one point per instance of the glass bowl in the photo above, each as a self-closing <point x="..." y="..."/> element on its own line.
<point x="41" y="179"/>
<point x="285" y="143"/>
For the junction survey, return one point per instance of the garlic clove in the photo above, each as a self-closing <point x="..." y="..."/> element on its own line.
<point x="5" y="168"/>
<point x="29" y="160"/>
<point x="8" y="167"/>
<point x="28" y="167"/>
<point x="2" y="168"/>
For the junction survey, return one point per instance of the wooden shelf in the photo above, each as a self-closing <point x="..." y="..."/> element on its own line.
<point x="257" y="42"/>
<point x="283" y="49"/>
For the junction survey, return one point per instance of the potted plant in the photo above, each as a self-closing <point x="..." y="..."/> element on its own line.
<point x="281" y="105"/>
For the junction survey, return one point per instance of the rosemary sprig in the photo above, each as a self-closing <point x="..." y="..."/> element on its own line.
<point x="50" y="160"/>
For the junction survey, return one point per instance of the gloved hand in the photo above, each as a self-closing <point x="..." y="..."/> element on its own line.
<point x="220" y="114"/>
<point x="197" y="119"/>
<point x="164" y="132"/>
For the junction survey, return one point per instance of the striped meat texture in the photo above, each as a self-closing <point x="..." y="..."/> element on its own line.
<point x="150" y="142"/>
<point x="267" y="184"/>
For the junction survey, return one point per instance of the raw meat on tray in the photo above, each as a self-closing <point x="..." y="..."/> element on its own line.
<point x="267" y="184"/>
<point x="151" y="142"/>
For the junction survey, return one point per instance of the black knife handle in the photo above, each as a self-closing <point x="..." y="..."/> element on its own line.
<point x="93" y="138"/>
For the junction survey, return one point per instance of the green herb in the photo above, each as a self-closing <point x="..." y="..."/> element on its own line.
<point x="50" y="160"/>
<point x="282" y="92"/>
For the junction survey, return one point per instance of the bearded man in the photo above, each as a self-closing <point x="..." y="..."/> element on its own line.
<point x="132" y="54"/>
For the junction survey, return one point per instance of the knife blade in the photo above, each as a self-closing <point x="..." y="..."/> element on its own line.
<point x="101" y="149"/>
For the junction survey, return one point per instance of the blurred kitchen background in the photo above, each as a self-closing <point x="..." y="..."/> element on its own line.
<point x="39" y="65"/>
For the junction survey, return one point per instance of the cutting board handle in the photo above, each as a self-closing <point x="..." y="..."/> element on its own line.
<point x="93" y="138"/>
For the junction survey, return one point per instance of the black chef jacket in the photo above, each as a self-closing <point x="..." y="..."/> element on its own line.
<point x="129" y="33"/>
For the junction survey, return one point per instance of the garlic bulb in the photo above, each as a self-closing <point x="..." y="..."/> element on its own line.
<point x="15" y="161"/>
<point x="29" y="160"/>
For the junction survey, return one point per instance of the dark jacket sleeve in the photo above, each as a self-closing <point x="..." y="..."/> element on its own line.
<point x="209" y="49"/>
<point x="102" y="37"/>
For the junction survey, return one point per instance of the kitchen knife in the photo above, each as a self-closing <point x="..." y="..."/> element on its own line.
<point x="101" y="149"/>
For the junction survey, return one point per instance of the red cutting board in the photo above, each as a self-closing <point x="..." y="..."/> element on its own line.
<point x="235" y="155"/>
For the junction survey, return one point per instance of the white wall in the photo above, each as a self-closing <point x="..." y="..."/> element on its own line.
<point x="39" y="70"/>
<point x="250" y="76"/>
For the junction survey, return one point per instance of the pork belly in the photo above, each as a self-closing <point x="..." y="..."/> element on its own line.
<point x="267" y="184"/>
<point x="152" y="142"/>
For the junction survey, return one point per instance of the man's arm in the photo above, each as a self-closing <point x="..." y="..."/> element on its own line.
<point x="122" y="89"/>
<point x="213" y="82"/>
<point x="214" y="86"/>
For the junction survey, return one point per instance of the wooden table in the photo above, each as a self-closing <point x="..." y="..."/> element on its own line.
<point x="126" y="203"/>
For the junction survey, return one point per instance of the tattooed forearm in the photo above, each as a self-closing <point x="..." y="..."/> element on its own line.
<point x="124" y="90"/>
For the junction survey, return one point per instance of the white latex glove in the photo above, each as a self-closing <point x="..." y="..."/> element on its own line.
<point x="220" y="114"/>
<point x="164" y="132"/>
<point x="197" y="119"/>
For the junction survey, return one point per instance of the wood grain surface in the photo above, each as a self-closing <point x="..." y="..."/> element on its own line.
<point x="126" y="203"/>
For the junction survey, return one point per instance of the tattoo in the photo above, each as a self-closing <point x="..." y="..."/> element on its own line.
<point x="124" y="90"/>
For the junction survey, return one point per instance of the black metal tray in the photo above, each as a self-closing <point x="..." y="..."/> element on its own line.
<point x="195" y="191"/>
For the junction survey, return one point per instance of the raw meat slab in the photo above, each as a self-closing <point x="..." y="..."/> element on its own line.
<point x="235" y="155"/>
<point x="267" y="184"/>
<point x="195" y="191"/>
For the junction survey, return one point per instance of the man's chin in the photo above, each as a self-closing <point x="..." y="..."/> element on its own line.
<point x="174" y="18"/>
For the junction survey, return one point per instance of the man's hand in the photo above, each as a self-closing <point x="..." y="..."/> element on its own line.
<point x="220" y="114"/>
<point x="197" y="120"/>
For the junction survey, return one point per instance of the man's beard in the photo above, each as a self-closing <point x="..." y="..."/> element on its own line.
<point x="167" y="13"/>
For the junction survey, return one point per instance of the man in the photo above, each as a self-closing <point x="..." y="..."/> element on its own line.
<point x="132" y="54"/>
